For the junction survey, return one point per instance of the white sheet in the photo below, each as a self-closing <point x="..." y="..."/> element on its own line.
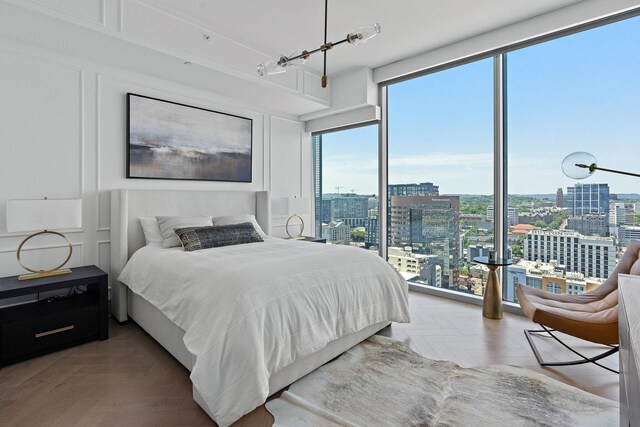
<point x="251" y="310"/>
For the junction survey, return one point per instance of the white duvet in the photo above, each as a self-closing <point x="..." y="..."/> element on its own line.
<point x="250" y="310"/>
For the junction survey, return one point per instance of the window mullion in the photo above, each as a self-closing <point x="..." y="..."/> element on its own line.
<point x="383" y="172"/>
<point x="500" y="198"/>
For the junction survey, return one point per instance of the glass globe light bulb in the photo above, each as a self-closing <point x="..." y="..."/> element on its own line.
<point x="272" y="66"/>
<point x="579" y="165"/>
<point x="363" y="34"/>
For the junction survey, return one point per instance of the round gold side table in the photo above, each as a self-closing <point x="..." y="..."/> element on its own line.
<point x="492" y="302"/>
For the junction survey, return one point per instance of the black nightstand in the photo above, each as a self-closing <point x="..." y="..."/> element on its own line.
<point x="310" y="239"/>
<point x="35" y="328"/>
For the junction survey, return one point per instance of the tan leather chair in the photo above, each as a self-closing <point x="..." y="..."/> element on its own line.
<point x="592" y="316"/>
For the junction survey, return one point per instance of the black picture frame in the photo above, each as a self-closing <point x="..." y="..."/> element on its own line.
<point x="159" y="156"/>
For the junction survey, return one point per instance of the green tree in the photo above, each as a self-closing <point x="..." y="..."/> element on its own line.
<point x="516" y="250"/>
<point x="357" y="235"/>
<point x="557" y="221"/>
<point x="473" y="232"/>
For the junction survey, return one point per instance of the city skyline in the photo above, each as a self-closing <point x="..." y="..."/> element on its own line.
<point x="561" y="99"/>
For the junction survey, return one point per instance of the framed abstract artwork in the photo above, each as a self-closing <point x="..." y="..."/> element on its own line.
<point x="167" y="140"/>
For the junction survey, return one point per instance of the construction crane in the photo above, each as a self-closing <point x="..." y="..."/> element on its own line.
<point x="338" y="188"/>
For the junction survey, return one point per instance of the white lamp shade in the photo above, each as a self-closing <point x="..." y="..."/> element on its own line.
<point x="43" y="214"/>
<point x="292" y="205"/>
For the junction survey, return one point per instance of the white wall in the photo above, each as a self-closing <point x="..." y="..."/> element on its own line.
<point x="63" y="135"/>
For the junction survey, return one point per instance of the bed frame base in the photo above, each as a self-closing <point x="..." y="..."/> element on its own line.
<point x="170" y="336"/>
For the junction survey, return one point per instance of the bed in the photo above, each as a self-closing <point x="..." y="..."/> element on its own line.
<point x="182" y="300"/>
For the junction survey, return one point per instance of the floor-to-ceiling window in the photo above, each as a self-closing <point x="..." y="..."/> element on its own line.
<point x="578" y="92"/>
<point x="346" y="186"/>
<point x="440" y="176"/>
<point x="574" y="93"/>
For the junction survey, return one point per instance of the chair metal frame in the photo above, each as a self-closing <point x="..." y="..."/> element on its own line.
<point x="529" y="332"/>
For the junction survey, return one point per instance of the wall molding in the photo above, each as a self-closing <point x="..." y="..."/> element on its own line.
<point x="300" y="139"/>
<point x="236" y="109"/>
<point x="103" y="13"/>
<point x="296" y="87"/>
<point x="97" y="156"/>
<point x="80" y="71"/>
<point x="23" y="234"/>
<point x="82" y="133"/>
<point x="38" y="248"/>
<point x="58" y="12"/>
<point x="99" y="245"/>
<point x="116" y="10"/>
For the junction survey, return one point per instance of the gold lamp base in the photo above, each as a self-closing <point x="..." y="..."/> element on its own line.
<point x="45" y="274"/>
<point x="37" y="274"/>
<point x="286" y="227"/>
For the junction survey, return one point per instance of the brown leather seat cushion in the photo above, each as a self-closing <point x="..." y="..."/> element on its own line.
<point x="592" y="316"/>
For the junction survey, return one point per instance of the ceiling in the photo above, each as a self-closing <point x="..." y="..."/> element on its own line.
<point x="409" y="27"/>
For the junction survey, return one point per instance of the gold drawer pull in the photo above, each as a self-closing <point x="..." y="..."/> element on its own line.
<point x="54" y="331"/>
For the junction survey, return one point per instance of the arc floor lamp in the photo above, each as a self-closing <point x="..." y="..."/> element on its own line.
<point x="580" y="165"/>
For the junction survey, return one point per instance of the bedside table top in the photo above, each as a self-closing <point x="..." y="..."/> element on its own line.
<point x="12" y="287"/>
<point x="500" y="262"/>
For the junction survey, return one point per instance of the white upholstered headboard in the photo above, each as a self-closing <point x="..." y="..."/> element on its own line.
<point x="127" y="206"/>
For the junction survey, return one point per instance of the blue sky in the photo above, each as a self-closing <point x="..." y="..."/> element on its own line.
<point x="577" y="93"/>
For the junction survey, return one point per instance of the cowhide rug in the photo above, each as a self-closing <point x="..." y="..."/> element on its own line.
<point x="382" y="382"/>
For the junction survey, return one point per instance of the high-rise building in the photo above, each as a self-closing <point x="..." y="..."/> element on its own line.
<point x="585" y="199"/>
<point x="326" y="210"/>
<point x="422" y="189"/>
<point x="628" y="232"/>
<point x="559" y="198"/>
<point x="590" y="224"/>
<point x="512" y="215"/>
<point x="372" y="232"/>
<point x="352" y="209"/>
<point x="590" y="255"/>
<point x="430" y="226"/>
<point x="621" y="214"/>
<point x="316" y="141"/>
<point x="431" y="272"/>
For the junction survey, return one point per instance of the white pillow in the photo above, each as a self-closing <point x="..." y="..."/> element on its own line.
<point x="239" y="219"/>
<point x="151" y="229"/>
<point x="168" y="224"/>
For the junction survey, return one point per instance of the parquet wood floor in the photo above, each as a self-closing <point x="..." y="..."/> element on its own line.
<point x="130" y="380"/>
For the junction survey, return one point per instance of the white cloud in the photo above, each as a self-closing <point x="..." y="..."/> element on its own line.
<point x="442" y="159"/>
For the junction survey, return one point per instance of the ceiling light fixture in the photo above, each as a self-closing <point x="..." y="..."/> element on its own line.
<point x="355" y="37"/>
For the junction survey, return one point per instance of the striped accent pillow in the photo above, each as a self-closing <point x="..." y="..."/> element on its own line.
<point x="196" y="238"/>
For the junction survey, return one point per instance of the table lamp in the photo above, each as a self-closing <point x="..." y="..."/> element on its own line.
<point x="294" y="207"/>
<point x="43" y="216"/>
